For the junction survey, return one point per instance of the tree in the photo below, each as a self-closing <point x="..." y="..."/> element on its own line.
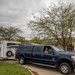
<point x="37" y="40"/>
<point x="22" y="40"/>
<point x="9" y="33"/>
<point x="57" y="21"/>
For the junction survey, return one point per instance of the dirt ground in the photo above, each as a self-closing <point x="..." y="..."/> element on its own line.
<point x="39" y="70"/>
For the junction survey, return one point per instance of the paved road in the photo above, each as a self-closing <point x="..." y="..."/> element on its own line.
<point x="41" y="70"/>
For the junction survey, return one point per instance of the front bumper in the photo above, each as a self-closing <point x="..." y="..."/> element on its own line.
<point x="73" y="65"/>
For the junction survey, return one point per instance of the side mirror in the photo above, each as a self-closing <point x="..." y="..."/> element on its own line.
<point x="51" y="52"/>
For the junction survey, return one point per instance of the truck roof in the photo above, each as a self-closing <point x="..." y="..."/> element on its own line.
<point x="30" y="44"/>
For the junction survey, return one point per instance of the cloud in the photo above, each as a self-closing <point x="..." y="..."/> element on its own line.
<point x="18" y="12"/>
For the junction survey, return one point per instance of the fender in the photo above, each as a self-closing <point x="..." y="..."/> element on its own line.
<point x="63" y="57"/>
<point x="21" y="55"/>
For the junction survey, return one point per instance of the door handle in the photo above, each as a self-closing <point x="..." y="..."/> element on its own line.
<point x="33" y="54"/>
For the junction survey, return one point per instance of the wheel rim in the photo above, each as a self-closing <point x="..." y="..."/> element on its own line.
<point x="64" y="69"/>
<point x="9" y="54"/>
<point x="21" y="61"/>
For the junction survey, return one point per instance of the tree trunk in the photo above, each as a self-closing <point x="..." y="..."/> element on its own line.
<point x="64" y="47"/>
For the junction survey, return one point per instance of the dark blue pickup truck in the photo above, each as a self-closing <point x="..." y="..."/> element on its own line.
<point x="47" y="55"/>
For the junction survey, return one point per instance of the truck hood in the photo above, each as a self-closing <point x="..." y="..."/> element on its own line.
<point x="67" y="53"/>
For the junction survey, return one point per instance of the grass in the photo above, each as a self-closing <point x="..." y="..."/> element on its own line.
<point x="12" y="69"/>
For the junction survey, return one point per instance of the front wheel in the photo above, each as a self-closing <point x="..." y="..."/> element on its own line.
<point x="65" y="68"/>
<point x="22" y="60"/>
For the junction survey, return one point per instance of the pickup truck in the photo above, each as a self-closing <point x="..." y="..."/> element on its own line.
<point x="53" y="56"/>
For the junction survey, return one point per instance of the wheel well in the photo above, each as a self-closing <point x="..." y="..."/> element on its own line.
<point x="66" y="61"/>
<point x="21" y="56"/>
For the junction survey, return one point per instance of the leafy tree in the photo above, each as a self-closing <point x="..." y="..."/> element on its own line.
<point x="37" y="40"/>
<point x="22" y="40"/>
<point x="9" y="33"/>
<point x="57" y="21"/>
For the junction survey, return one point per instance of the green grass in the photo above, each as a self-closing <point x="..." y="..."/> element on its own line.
<point x="12" y="69"/>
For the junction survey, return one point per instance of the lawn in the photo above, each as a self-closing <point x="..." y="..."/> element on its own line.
<point x="12" y="69"/>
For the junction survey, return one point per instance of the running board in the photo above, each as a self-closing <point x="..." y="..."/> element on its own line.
<point x="44" y="65"/>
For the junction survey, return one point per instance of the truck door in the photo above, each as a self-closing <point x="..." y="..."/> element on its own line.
<point x="48" y="56"/>
<point x="37" y="54"/>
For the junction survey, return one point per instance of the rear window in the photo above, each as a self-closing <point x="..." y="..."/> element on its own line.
<point x="28" y="48"/>
<point x="38" y="49"/>
<point x="25" y="48"/>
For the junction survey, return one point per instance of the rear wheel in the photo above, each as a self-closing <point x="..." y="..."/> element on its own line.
<point x="65" y="68"/>
<point x="22" y="60"/>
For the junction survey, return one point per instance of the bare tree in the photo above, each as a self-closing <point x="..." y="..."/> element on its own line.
<point x="57" y="21"/>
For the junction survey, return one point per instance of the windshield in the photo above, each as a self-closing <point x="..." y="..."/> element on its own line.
<point x="57" y="49"/>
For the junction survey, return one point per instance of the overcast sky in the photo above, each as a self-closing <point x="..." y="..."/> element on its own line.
<point x="18" y="12"/>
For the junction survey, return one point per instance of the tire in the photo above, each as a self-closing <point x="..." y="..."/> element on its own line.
<point x="65" y="68"/>
<point x="9" y="53"/>
<point x="22" y="60"/>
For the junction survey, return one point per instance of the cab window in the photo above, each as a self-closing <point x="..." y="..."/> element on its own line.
<point x="38" y="49"/>
<point x="48" y="50"/>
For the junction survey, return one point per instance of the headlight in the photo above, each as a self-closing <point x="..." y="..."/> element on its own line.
<point x="73" y="58"/>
